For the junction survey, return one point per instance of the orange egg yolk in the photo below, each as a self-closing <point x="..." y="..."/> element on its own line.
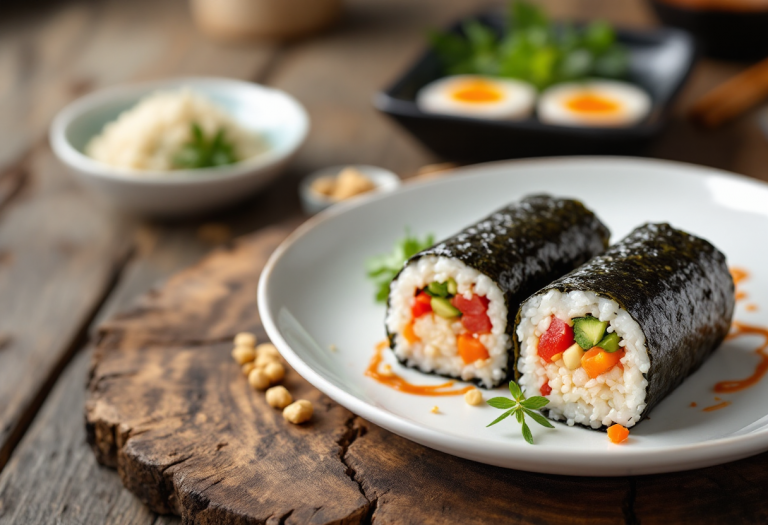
<point x="592" y="103"/>
<point x="477" y="92"/>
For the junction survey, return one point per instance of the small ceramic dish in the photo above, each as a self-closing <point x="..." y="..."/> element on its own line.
<point x="660" y="61"/>
<point x="276" y="116"/>
<point x="312" y="202"/>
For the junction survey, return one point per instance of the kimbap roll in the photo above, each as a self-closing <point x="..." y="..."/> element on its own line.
<point x="611" y="339"/>
<point x="451" y="308"/>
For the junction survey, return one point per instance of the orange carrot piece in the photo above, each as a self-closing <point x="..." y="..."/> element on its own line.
<point x="617" y="433"/>
<point x="409" y="334"/>
<point x="471" y="349"/>
<point x="597" y="361"/>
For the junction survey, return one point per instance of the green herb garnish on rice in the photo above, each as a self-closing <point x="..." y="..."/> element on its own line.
<point x="383" y="268"/>
<point x="205" y="152"/>
<point x="520" y="407"/>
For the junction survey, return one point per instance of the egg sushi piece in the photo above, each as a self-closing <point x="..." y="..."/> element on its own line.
<point x="594" y="103"/>
<point x="478" y="96"/>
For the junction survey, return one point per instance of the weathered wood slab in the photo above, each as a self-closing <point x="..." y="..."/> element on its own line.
<point x="173" y="413"/>
<point x="53" y="476"/>
<point x="169" y="409"/>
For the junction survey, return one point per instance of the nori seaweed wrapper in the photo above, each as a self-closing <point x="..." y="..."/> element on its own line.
<point x="675" y="285"/>
<point x="524" y="246"/>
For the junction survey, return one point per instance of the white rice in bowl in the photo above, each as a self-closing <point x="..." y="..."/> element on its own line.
<point x="150" y="135"/>
<point x="617" y="396"/>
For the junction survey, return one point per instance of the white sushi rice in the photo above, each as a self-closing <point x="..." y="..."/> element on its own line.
<point x="149" y="136"/>
<point x="617" y="396"/>
<point x="437" y="351"/>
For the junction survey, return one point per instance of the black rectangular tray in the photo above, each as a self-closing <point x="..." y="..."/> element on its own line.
<point x="660" y="62"/>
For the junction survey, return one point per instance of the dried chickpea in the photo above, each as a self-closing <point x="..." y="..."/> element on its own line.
<point x="243" y="354"/>
<point x="267" y="349"/>
<point x="279" y="397"/>
<point x="275" y="372"/>
<point x="247" y="367"/>
<point x="298" y="412"/>
<point x="262" y="360"/>
<point x="473" y="397"/>
<point x="350" y="182"/>
<point x="324" y="185"/>
<point x="245" y="339"/>
<point x="258" y="379"/>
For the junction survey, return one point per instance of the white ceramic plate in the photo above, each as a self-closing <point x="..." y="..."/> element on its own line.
<point x="314" y="293"/>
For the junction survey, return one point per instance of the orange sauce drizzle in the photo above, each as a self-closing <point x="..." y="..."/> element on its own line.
<point x="739" y="275"/>
<point x="396" y="382"/>
<point x="478" y="91"/>
<point x="751" y="308"/>
<point x="740" y="329"/>
<point x="591" y="103"/>
<point x="716" y="407"/>
<point x="693" y="404"/>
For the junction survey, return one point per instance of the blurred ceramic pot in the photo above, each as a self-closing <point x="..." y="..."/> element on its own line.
<point x="238" y="20"/>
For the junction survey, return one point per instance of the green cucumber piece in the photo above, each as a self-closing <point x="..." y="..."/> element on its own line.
<point x="609" y="343"/>
<point x="443" y="307"/>
<point x="453" y="288"/>
<point x="436" y="289"/>
<point x="588" y="331"/>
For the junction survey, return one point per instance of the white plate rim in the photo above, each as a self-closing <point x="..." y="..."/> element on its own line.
<point x="686" y="457"/>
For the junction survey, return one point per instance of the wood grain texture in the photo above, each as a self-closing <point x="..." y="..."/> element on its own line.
<point x="188" y="436"/>
<point x="53" y="476"/>
<point x="53" y="276"/>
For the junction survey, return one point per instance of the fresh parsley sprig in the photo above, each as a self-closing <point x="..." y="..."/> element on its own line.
<point x="520" y="407"/>
<point x="383" y="268"/>
<point x="204" y="152"/>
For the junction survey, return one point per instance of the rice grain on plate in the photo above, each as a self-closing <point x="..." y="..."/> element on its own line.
<point x="150" y="135"/>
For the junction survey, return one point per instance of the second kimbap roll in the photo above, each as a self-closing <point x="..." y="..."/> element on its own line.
<point x="610" y="340"/>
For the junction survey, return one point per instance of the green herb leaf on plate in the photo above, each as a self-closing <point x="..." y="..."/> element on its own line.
<point x="536" y="402"/>
<point x="515" y="391"/>
<point x="500" y="418"/>
<point x="527" y="433"/>
<point x="538" y="418"/>
<point x="501" y="402"/>
<point x="521" y="407"/>
<point x="383" y="268"/>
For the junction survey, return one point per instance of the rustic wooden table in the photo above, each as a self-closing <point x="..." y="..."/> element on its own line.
<point x="67" y="263"/>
